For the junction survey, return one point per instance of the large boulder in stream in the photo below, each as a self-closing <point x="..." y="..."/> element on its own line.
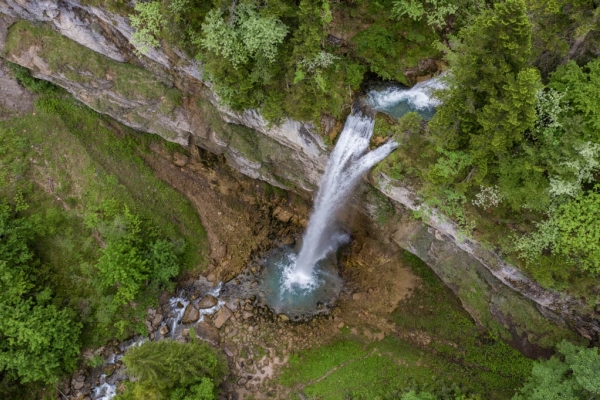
<point x="191" y="314"/>
<point x="207" y="301"/>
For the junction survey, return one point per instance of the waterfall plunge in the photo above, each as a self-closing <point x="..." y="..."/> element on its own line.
<point x="347" y="163"/>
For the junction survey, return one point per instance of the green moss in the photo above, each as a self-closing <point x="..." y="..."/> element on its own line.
<point x="82" y="65"/>
<point x="245" y="141"/>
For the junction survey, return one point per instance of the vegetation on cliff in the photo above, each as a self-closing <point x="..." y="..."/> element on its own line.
<point x="512" y="154"/>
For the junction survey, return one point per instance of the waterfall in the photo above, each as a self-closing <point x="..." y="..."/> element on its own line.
<point x="347" y="163"/>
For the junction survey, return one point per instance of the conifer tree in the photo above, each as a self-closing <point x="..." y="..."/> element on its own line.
<point x="491" y="98"/>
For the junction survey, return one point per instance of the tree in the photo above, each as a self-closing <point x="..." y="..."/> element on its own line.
<point x="581" y="87"/>
<point x="134" y="255"/>
<point x="248" y="36"/>
<point x="491" y="97"/>
<point x="38" y="340"/>
<point x="169" y="369"/>
<point x="436" y="11"/>
<point x="571" y="375"/>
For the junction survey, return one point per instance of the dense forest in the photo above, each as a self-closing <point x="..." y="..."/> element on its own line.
<point x="91" y="235"/>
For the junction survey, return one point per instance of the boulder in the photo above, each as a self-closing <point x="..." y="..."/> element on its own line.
<point x="222" y="316"/>
<point x="190" y="315"/>
<point x="158" y="318"/>
<point x="164" y="330"/>
<point x="282" y="215"/>
<point x="230" y="350"/>
<point x="109" y="369"/>
<point x="247" y="314"/>
<point x="180" y="160"/>
<point x="207" y="332"/>
<point x="207" y="301"/>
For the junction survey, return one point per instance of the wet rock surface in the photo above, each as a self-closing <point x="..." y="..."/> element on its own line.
<point x="207" y="302"/>
<point x="191" y="314"/>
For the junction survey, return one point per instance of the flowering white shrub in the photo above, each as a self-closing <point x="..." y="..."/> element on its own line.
<point x="488" y="197"/>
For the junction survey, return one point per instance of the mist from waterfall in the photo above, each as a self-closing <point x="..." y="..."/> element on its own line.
<point x="349" y="160"/>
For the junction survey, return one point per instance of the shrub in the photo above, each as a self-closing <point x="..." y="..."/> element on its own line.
<point x="148" y="24"/>
<point x="38" y="340"/>
<point x="175" y="370"/>
<point x="571" y="375"/>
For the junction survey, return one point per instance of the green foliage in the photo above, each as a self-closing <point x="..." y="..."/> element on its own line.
<point x="580" y="87"/>
<point x="413" y="395"/>
<point x="174" y="370"/>
<point x="34" y="85"/>
<point x="39" y="341"/>
<point x="437" y="12"/>
<point x="134" y="254"/>
<point x="391" y="47"/>
<point x="275" y="56"/>
<point x="571" y="375"/>
<point x="148" y="24"/>
<point x="571" y="231"/>
<point x="205" y="390"/>
<point x="247" y="36"/>
<point x="95" y="361"/>
<point x="561" y="29"/>
<point x="83" y="192"/>
<point x="578" y="231"/>
<point x="491" y="98"/>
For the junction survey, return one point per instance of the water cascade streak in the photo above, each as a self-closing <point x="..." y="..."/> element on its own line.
<point x="347" y="163"/>
<point x="418" y="97"/>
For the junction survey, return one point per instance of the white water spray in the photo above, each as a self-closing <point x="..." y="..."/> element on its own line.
<point x="418" y="97"/>
<point x="347" y="163"/>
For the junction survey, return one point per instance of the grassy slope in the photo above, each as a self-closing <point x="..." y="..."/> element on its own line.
<point x="458" y="359"/>
<point x="70" y="161"/>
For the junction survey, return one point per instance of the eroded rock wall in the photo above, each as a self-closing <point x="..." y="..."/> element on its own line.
<point x="86" y="50"/>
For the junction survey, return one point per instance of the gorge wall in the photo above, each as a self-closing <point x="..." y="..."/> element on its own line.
<point x="87" y="51"/>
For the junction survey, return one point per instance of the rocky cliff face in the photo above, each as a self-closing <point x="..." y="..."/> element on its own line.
<point x="86" y="50"/>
